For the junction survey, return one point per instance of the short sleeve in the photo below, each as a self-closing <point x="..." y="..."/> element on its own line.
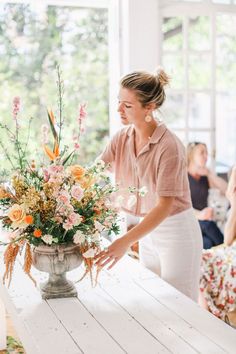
<point x="171" y="176"/>
<point x="109" y="153"/>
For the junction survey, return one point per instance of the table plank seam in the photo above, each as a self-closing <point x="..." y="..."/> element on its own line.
<point x="100" y="324"/>
<point x="189" y="324"/>
<point x="63" y="326"/>
<point x="135" y="319"/>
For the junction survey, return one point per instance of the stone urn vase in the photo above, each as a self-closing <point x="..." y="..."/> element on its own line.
<point x="57" y="260"/>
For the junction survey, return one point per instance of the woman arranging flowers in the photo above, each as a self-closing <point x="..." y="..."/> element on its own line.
<point x="146" y="152"/>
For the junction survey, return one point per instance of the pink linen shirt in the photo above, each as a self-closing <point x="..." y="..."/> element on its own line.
<point x="160" y="166"/>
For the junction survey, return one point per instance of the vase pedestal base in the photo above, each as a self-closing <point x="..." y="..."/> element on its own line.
<point x="56" y="260"/>
<point x="58" y="286"/>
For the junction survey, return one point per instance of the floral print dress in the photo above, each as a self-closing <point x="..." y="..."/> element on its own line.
<point x="218" y="279"/>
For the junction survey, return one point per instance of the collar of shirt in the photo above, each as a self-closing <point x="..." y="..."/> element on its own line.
<point x="154" y="139"/>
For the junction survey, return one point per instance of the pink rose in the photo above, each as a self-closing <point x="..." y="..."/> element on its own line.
<point x="77" y="192"/>
<point x="64" y="197"/>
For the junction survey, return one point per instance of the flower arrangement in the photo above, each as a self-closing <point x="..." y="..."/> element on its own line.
<point x="57" y="201"/>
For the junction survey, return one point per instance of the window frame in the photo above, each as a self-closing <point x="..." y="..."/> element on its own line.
<point x="185" y="10"/>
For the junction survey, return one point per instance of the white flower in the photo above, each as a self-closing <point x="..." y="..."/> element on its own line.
<point x="119" y="200"/>
<point x="47" y="239"/>
<point x="131" y="201"/>
<point x="143" y="191"/>
<point x="98" y="226"/>
<point x="79" y="237"/>
<point x="108" y="221"/>
<point x="96" y="236"/>
<point x="99" y="163"/>
<point x="90" y="253"/>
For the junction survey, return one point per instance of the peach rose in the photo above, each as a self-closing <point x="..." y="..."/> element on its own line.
<point x="86" y="182"/>
<point x="76" y="171"/>
<point x="17" y="215"/>
<point x="3" y="193"/>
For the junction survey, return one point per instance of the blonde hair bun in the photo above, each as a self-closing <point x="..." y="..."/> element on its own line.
<point x="162" y="77"/>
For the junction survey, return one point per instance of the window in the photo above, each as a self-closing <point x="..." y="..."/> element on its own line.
<point x="199" y="53"/>
<point x="34" y="36"/>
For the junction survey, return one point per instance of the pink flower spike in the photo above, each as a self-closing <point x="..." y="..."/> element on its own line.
<point x="16" y="107"/>
<point x="44" y="128"/>
<point x="82" y="111"/>
<point x="76" y="146"/>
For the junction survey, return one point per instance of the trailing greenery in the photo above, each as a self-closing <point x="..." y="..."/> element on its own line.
<point x="14" y="346"/>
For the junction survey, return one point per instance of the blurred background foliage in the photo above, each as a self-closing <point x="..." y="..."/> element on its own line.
<point x="32" y="41"/>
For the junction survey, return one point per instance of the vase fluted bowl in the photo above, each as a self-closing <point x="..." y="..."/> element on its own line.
<point x="57" y="260"/>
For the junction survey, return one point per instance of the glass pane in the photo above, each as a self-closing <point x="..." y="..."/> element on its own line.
<point x="199" y="110"/>
<point x="226" y="46"/>
<point x="173" y="65"/>
<point x="203" y="137"/>
<point x="199" y="71"/>
<point x="199" y="33"/>
<point x="226" y="128"/>
<point x="173" y="110"/>
<point x="172" y="33"/>
<point x="32" y="40"/>
<point x="180" y="135"/>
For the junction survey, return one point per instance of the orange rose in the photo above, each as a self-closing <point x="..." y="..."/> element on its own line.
<point x="77" y="172"/>
<point x="3" y="193"/>
<point x="17" y="215"/>
<point x="37" y="233"/>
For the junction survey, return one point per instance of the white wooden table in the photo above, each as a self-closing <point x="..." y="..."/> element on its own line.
<point x="130" y="311"/>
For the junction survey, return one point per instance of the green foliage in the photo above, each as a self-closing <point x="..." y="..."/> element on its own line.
<point x="14" y="346"/>
<point x="31" y="45"/>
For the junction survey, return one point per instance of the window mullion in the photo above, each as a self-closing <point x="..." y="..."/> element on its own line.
<point x="186" y="75"/>
<point x="213" y="89"/>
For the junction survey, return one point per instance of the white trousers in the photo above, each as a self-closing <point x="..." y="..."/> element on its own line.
<point x="174" y="250"/>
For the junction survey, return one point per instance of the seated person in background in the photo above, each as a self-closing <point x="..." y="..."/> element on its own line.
<point x="218" y="270"/>
<point x="201" y="179"/>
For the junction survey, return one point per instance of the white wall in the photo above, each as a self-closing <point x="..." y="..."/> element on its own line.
<point x="139" y="28"/>
<point x="134" y="45"/>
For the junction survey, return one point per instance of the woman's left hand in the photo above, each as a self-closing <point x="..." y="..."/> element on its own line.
<point x="113" y="253"/>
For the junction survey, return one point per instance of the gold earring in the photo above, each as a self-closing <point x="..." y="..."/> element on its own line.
<point x="148" y="119"/>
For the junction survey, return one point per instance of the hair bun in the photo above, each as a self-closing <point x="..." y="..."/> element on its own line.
<point x="162" y="77"/>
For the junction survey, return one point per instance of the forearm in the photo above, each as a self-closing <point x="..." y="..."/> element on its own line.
<point x="230" y="227"/>
<point x="217" y="182"/>
<point x="150" y="221"/>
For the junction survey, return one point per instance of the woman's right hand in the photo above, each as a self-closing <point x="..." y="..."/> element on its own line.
<point x="112" y="254"/>
<point x="205" y="214"/>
